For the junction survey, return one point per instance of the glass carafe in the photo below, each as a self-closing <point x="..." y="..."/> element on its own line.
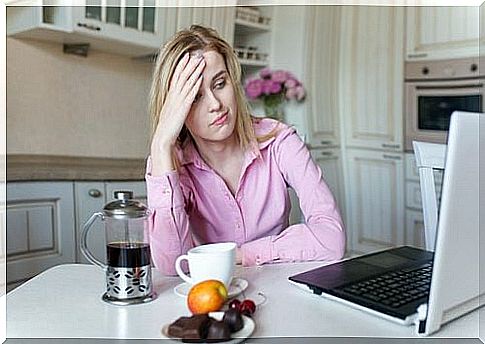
<point x="128" y="268"/>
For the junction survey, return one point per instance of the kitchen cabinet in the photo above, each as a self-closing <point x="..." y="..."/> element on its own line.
<point x="90" y="198"/>
<point x="45" y="220"/>
<point x="371" y="90"/>
<point x="434" y="33"/>
<point x="330" y="163"/>
<point x="138" y="22"/>
<point x="40" y="228"/>
<point x="376" y="199"/>
<point x="134" y="29"/>
<point x="219" y="18"/>
<point x="322" y="75"/>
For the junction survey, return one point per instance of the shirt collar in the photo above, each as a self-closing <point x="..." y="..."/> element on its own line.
<point x="190" y="154"/>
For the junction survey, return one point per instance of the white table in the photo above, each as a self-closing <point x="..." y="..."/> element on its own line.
<point x="65" y="302"/>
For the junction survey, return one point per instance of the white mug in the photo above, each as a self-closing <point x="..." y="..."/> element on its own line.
<point x="211" y="261"/>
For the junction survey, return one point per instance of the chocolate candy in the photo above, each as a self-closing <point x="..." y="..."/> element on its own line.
<point x="218" y="332"/>
<point x="233" y="319"/>
<point x="192" y="328"/>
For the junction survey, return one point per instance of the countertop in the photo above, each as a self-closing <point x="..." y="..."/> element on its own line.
<point x="53" y="167"/>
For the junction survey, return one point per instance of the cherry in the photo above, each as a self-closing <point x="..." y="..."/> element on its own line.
<point x="235" y="304"/>
<point x="247" y="307"/>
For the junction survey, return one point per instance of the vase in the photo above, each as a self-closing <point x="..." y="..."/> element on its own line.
<point x="274" y="111"/>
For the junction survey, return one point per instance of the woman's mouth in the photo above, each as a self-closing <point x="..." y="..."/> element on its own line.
<point x="220" y="120"/>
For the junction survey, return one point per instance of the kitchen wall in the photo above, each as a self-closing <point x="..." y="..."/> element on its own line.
<point x="62" y="104"/>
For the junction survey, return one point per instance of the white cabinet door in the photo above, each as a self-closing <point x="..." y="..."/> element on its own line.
<point x="415" y="229"/>
<point x="90" y="198"/>
<point x="40" y="227"/>
<point x="145" y="25"/>
<point x="134" y="29"/>
<point x="219" y="18"/>
<point x="441" y="32"/>
<point x="330" y="162"/>
<point x="372" y="76"/>
<point x="322" y="74"/>
<point x="376" y="204"/>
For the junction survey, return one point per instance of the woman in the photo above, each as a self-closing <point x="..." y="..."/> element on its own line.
<point x="217" y="174"/>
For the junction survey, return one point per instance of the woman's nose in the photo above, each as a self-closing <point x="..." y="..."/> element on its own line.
<point x="214" y="102"/>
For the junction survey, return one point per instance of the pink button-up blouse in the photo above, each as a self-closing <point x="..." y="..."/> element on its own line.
<point x="193" y="206"/>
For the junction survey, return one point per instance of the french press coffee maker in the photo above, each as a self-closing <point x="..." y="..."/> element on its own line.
<point x="128" y="270"/>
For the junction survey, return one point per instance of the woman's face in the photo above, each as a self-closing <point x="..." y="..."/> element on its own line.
<point x="213" y="113"/>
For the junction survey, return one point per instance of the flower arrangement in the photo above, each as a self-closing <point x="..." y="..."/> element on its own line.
<point x="274" y="88"/>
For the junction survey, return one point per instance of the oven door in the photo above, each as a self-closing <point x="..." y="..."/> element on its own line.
<point x="429" y="105"/>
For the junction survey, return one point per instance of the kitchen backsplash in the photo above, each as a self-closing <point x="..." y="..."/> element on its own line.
<point x="60" y="104"/>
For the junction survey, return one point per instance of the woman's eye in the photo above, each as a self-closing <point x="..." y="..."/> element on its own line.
<point x="196" y="99"/>
<point x="220" y="84"/>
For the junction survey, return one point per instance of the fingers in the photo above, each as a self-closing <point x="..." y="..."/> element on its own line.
<point x="194" y="77"/>
<point x="179" y="68"/>
<point x="192" y="93"/>
<point x="188" y="71"/>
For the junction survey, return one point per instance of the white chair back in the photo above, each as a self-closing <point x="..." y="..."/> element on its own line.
<point x="429" y="157"/>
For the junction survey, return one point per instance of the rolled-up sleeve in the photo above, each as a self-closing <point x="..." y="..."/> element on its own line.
<point x="322" y="235"/>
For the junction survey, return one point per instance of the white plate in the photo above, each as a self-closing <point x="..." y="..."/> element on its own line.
<point x="238" y="285"/>
<point x="236" y="337"/>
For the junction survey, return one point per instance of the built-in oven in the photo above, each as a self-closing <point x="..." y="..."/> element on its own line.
<point x="434" y="89"/>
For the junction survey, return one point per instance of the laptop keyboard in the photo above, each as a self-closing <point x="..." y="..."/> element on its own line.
<point x="394" y="289"/>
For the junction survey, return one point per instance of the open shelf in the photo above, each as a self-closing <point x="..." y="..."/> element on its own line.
<point x="245" y="26"/>
<point x="254" y="63"/>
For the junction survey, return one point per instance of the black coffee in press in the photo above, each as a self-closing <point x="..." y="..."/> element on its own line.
<point x="127" y="254"/>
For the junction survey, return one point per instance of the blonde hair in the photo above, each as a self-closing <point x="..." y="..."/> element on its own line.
<point x="189" y="40"/>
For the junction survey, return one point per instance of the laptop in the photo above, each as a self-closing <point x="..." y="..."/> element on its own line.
<point x="409" y="285"/>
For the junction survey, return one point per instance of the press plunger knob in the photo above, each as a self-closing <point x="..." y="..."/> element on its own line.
<point x="123" y="195"/>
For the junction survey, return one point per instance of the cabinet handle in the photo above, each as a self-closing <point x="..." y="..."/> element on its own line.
<point x="417" y="55"/>
<point x="327" y="154"/>
<point x="392" y="157"/>
<point x="94" y="193"/>
<point x="388" y="145"/>
<point x="90" y="27"/>
<point x="326" y="142"/>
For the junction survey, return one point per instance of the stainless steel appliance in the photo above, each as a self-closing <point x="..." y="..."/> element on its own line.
<point x="128" y="271"/>
<point x="434" y="89"/>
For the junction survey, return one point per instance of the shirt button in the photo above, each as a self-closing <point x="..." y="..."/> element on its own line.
<point x="166" y="191"/>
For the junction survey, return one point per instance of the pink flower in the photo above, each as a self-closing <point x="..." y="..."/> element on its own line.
<point x="290" y="83"/>
<point x="290" y="93"/>
<point x="254" y="88"/>
<point x="268" y="86"/>
<point x="265" y="73"/>
<point x="275" y="87"/>
<point x="300" y="93"/>
<point x="279" y="76"/>
<point x="271" y="85"/>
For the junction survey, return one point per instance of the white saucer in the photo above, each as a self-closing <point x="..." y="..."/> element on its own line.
<point x="238" y="285"/>
<point x="236" y="337"/>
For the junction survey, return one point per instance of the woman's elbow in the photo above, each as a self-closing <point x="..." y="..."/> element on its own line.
<point x="340" y="244"/>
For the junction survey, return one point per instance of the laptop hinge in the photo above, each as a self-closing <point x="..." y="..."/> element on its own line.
<point x="421" y="319"/>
